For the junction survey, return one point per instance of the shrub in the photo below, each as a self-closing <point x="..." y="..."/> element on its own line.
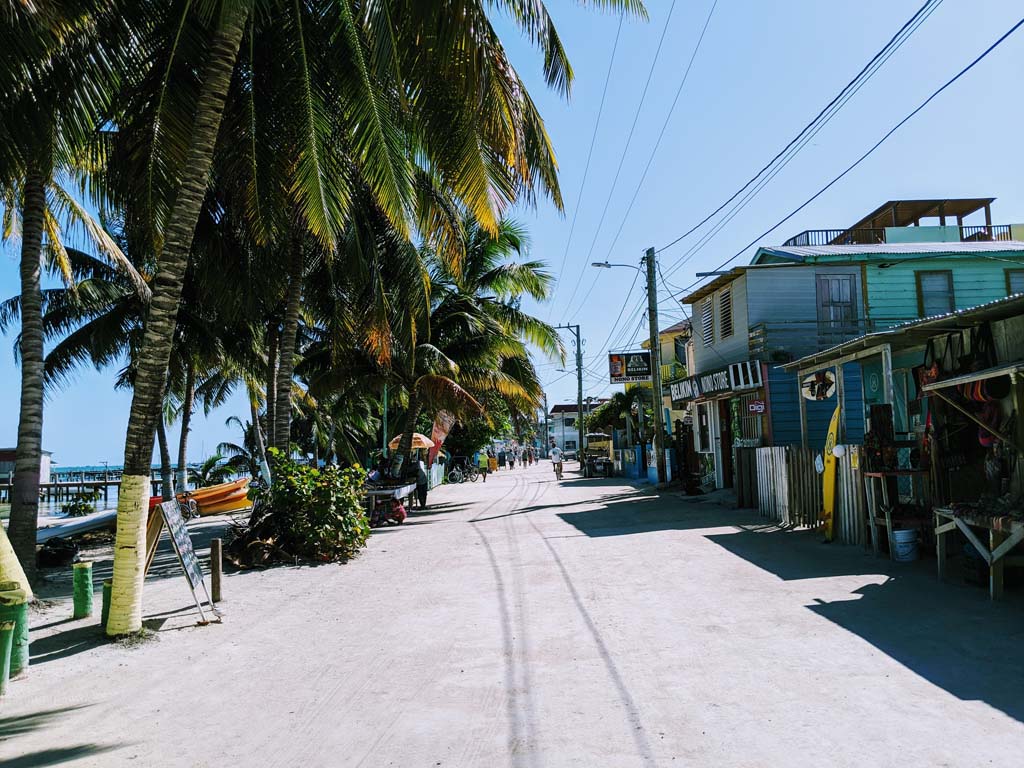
<point x="82" y="503"/>
<point x="307" y="514"/>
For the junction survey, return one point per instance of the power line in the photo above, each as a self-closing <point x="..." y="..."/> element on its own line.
<point x="872" y="150"/>
<point x="664" y="127"/>
<point x="590" y="153"/>
<point x="811" y="129"/>
<point x="622" y="157"/>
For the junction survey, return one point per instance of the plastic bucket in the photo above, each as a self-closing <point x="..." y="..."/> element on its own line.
<point x="905" y="545"/>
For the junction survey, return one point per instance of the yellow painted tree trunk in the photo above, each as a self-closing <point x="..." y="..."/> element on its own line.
<point x="10" y="566"/>
<point x="129" y="556"/>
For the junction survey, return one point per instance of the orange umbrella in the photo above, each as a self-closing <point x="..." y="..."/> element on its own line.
<point x="418" y="441"/>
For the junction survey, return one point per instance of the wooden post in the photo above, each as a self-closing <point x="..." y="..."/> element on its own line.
<point x="216" y="564"/>
<point x="995" y="568"/>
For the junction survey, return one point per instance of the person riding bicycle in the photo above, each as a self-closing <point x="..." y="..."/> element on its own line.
<point x="555" y="454"/>
<point x="483" y="464"/>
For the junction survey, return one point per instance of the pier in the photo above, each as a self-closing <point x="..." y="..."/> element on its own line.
<point x="65" y="490"/>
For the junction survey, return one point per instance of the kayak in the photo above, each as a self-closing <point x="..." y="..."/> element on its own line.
<point x="234" y="503"/>
<point x="216" y="492"/>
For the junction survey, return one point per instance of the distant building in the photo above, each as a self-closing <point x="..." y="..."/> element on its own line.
<point x="563" y="423"/>
<point x="7" y="456"/>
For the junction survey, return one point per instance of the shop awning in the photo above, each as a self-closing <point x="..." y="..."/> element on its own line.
<point x="968" y="378"/>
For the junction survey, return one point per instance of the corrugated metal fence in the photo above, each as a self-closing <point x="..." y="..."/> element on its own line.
<point x="789" y="491"/>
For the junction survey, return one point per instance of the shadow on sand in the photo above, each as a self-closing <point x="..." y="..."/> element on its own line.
<point x="11" y="727"/>
<point x="948" y="633"/>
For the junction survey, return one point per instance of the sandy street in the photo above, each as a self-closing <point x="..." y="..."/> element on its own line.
<point x="526" y="622"/>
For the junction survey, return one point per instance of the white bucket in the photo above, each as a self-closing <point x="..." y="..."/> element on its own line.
<point x="905" y="545"/>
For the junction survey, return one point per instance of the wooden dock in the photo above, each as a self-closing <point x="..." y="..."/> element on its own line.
<point x="65" y="490"/>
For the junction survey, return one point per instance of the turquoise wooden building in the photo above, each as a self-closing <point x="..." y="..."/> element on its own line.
<point x="914" y="259"/>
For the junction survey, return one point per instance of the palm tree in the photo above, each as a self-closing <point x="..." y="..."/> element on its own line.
<point x="387" y="82"/>
<point x="54" y="96"/>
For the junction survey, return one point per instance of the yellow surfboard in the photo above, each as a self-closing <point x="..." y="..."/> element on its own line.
<point x="828" y="481"/>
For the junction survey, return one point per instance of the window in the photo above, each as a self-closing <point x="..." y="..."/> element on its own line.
<point x="725" y="313"/>
<point x="707" y="322"/>
<point x="570" y="445"/>
<point x="703" y="428"/>
<point x="569" y="422"/>
<point x="1014" y="281"/>
<point x="935" y="293"/>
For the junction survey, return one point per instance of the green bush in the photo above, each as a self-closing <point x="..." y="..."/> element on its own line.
<point x="307" y="514"/>
<point x="82" y="503"/>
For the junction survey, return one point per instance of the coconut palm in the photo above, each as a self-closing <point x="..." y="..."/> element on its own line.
<point x="54" y="87"/>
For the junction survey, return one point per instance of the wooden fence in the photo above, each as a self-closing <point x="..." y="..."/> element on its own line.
<point x="789" y="491"/>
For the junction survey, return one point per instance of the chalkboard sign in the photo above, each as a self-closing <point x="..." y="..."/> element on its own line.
<point x="182" y="543"/>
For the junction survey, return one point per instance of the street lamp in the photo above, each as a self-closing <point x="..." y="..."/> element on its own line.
<point x="652" y="317"/>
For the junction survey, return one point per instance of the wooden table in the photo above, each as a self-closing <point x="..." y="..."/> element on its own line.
<point x="1004" y="533"/>
<point x="881" y="514"/>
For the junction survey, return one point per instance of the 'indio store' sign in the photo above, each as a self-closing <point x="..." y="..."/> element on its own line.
<point x="736" y="377"/>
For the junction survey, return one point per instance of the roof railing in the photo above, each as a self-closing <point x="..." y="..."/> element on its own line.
<point x="863" y="236"/>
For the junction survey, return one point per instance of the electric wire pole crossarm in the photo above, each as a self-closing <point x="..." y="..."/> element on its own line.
<point x="575" y="330"/>
<point x="650" y="263"/>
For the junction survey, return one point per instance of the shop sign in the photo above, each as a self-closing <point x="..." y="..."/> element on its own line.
<point x="818" y="386"/>
<point x="624" y="367"/>
<point x="756" y="406"/>
<point x="738" y="377"/>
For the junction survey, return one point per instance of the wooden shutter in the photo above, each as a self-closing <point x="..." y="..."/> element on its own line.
<point x="707" y="322"/>
<point x="935" y="293"/>
<point x="725" y="313"/>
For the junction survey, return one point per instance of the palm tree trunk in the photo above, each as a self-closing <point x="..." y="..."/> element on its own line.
<point x="187" y="406"/>
<point x="261" y="449"/>
<point x="289" y="339"/>
<point x="400" y="458"/>
<point x="28" y="458"/>
<point x="272" y="339"/>
<point x="166" y="471"/>
<point x="155" y="352"/>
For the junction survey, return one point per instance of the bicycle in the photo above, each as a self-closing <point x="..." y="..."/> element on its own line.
<point x="455" y="475"/>
<point x="472" y="473"/>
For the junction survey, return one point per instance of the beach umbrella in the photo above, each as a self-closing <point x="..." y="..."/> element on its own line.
<point x="418" y="441"/>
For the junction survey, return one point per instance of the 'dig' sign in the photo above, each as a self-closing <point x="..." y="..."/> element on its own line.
<point x="629" y="366"/>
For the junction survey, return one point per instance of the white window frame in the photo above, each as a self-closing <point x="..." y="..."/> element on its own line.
<point x="707" y="322"/>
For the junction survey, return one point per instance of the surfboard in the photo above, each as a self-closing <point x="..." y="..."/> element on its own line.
<point x="828" y="480"/>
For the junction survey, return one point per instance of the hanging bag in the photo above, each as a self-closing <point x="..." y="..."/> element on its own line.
<point x="928" y="371"/>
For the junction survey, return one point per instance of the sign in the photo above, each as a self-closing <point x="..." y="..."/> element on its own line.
<point x="756" y="406"/>
<point x="818" y="386"/>
<point x="182" y="543"/>
<point x="626" y="367"/>
<point x="737" y="377"/>
<point x="443" y="423"/>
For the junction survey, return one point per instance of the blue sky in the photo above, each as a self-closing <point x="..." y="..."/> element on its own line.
<point x="763" y="71"/>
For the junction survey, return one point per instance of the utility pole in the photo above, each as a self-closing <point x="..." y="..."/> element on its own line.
<point x="575" y="329"/>
<point x="652" y="317"/>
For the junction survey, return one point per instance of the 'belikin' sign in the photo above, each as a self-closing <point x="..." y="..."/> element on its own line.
<point x="629" y="367"/>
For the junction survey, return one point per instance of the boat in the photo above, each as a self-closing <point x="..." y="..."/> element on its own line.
<point x="234" y="502"/>
<point x="225" y="497"/>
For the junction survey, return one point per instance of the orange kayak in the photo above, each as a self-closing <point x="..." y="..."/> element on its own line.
<point x="217" y="492"/>
<point x="233" y="503"/>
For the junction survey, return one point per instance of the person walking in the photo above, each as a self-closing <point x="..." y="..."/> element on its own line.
<point x="501" y="458"/>
<point x="512" y="458"/>
<point x="483" y="464"/>
<point x="422" y="483"/>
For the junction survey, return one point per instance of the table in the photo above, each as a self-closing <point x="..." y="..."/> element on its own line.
<point x="874" y="520"/>
<point x="1004" y="533"/>
<point x="407" y="492"/>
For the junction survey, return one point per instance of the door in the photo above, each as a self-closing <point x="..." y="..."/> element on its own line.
<point x="837" y="309"/>
<point x="725" y="438"/>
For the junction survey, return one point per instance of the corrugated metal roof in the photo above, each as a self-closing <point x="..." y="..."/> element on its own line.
<point x="801" y="252"/>
<point x="1000" y="309"/>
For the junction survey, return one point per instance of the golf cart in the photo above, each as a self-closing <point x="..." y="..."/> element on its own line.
<point x="599" y="461"/>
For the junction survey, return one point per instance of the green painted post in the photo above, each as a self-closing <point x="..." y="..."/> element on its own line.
<point x="6" y="643"/>
<point x="14" y="608"/>
<point x="82" y="589"/>
<point x="105" y="610"/>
